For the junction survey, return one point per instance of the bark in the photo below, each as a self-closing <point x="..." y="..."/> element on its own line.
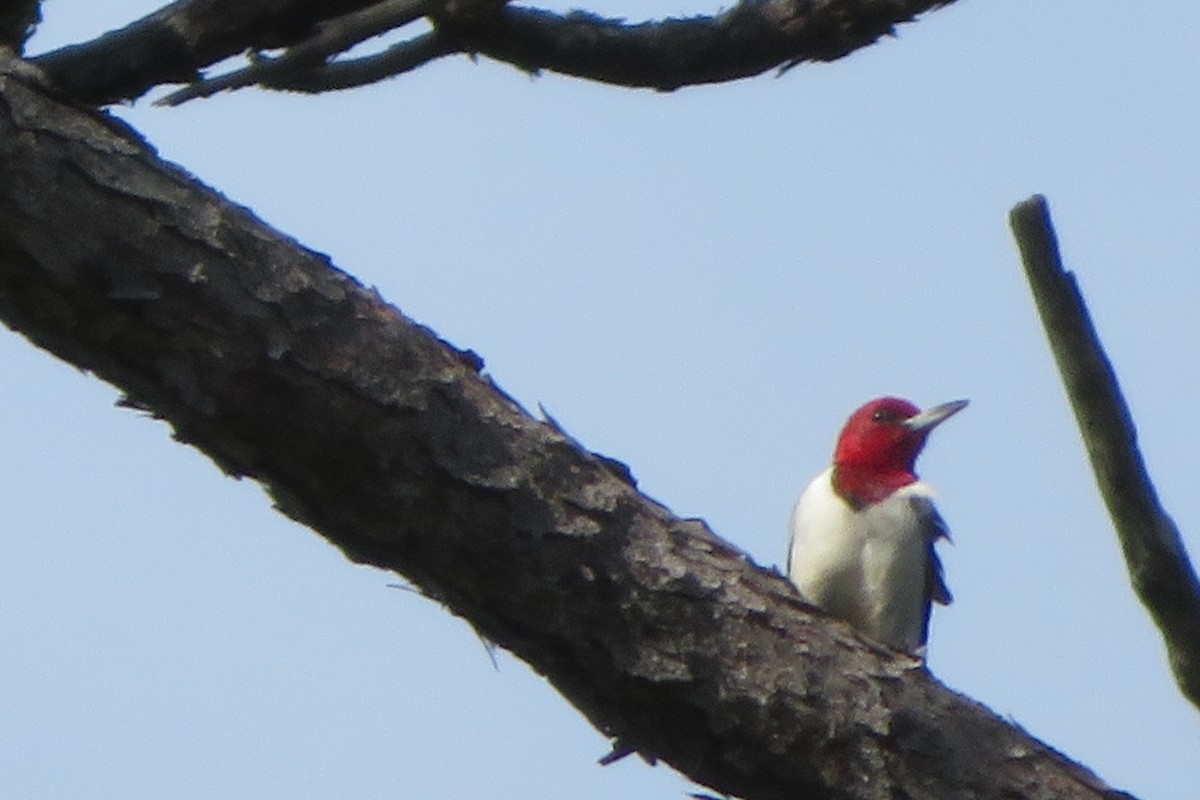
<point x="1159" y="569"/>
<point x="392" y="445"/>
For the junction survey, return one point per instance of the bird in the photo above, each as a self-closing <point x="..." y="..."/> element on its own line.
<point x="863" y="532"/>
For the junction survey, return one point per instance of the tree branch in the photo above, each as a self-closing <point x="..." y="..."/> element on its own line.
<point x="390" y="443"/>
<point x="755" y="36"/>
<point x="332" y="37"/>
<point x="174" y="43"/>
<point x="346" y="73"/>
<point x="1159" y="569"/>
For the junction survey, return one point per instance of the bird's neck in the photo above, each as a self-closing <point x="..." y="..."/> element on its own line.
<point x="861" y="485"/>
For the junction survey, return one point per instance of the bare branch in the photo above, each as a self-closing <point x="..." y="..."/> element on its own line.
<point x="753" y="37"/>
<point x="332" y="37"/>
<point x="367" y="428"/>
<point x="1158" y="564"/>
<point x="174" y="43"/>
<point x="352" y="72"/>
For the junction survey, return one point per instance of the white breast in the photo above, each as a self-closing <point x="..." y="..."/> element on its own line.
<point x="870" y="567"/>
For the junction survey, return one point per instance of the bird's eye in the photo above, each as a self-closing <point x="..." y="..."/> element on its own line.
<point x="881" y="416"/>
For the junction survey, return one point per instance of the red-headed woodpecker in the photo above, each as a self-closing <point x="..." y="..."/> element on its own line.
<point x="864" y="529"/>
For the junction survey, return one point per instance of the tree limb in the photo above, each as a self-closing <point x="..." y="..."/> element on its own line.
<point x="346" y="73"/>
<point x="752" y="37"/>
<point x="331" y="38"/>
<point x="392" y="445"/>
<point x="174" y="43"/>
<point x="1159" y="569"/>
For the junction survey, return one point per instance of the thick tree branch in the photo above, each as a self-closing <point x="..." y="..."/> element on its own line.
<point x="174" y="43"/>
<point x="1158" y="564"/>
<point x="390" y="443"/>
<point x="753" y="37"/>
<point x="750" y="38"/>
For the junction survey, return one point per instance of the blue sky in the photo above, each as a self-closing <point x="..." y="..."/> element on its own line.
<point x="702" y="284"/>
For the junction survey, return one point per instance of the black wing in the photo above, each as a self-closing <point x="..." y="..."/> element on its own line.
<point x="936" y="590"/>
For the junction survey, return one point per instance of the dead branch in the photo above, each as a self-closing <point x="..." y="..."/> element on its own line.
<point x="1159" y="569"/>
<point x="332" y="37"/>
<point x="175" y="44"/>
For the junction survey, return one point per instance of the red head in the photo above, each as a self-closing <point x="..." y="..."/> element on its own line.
<point x="879" y="445"/>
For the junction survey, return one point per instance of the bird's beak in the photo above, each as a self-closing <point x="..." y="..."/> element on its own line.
<point x="930" y="418"/>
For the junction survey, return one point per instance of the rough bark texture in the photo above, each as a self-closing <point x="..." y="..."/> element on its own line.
<point x="390" y="443"/>
<point x="1159" y="568"/>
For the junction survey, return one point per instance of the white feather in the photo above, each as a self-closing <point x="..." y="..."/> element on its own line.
<point x="874" y="566"/>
